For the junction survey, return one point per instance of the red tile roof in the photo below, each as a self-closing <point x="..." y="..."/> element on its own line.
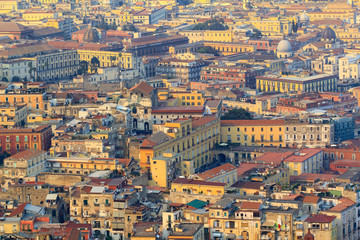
<point x="244" y="167"/>
<point x="344" y="204"/>
<point x="199" y="122"/>
<point x="143" y="87"/>
<point x="320" y="218"/>
<point x="17" y="211"/>
<point x="227" y="167"/>
<point x="273" y="158"/>
<point x="311" y="199"/>
<point x="250" y="205"/>
<point x="304" y="154"/>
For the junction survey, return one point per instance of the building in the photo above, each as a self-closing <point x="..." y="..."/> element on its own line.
<point x="311" y="133"/>
<point x="9" y="6"/>
<point x="17" y="140"/>
<point x="186" y="70"/>
<point x="154" y="45"/>
<point x="191" y="186"/>
<point x="140" y="99"/>
<point x="13" y="30"/>
<point x="13" y="115"/>
<point x="58" y="65"/>
<point x="305" y="161"/>
<point x="226" y="173"/>
<point x="27" y="163"/>
<point x="234" y="220"/>
<point x="16" y="68"/>
<point x="190" y="231"/>
<point x="349" y="67"/>
<point x="315" y="83"/>
<point x="272" y="25"/>
<point x="253" y="132"/>
<point x="192" y="138"/>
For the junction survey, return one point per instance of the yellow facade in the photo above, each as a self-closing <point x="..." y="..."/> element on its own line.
<point x="193" y="98"/>
<point x="107" y="58"/>
<point x="355" y="92"/>
<point x="8" y="6"/>
<point x="202" y="1"/>
<point x="36" y="16"/>
<point x="163" y="168"/>
<point x="272" y="25"/>
<point x="11" y="116"/>
<point x="9" y="227"/>
<point x="253" y="132"/>
<point x="193" y="139"/>
<point x="33" y="101"/>
<point x="196" y="187"/>
<point x="219" y="36"/>
<point x="317" y="83"/>
<point x="49" y="1"/>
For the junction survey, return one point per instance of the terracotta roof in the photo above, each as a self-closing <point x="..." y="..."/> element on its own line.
<point x="199" y="122"/>
<point x="223" y="169"/>
<point x="304" y="154"/>
<point x="250" y="205"/>
<point x="273" y="158"/>
<point x="320" y="218"/>
<point x="156" y="139"/>
<point x="245" y="167"/>
<point x="27" y="154"/>
<point x="143" y="87"/>
<point x="313" y="176"/>
<point x="344" y="204"/>
<point x="197" y="182"/>
<point x="18" y="210"/>
<point x="13" y="27"/>
<point x="275" y="122"/>
<point x="311" y="199"/>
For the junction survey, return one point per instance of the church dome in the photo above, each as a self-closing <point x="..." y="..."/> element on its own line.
<point x="91" y="35"/>
<point x="304" y="17"/>
<point x="284" y="46"/>
<point x="328" y="34"/>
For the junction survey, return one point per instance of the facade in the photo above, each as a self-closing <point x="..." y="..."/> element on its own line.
<point x="27" y="163"/>
<point x="253" y="132"/>
<point x="312" y="133"/>
<point x="305" y="161"/>
<point x="192" y="138"/>
<point x="13" y="115"/>
<point x="58" y="65"/>
<point x="15" y="68"/>
<point x="316" y="83"/>
<point x="186" y="70"/>
<point x="17" y="140"/>
<point x="234" y="220"/>
<point x="226" y="173"/>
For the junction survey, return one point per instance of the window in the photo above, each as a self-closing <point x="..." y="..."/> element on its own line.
<point x="85" y="202"/>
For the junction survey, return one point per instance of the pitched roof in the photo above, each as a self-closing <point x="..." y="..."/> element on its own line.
<point x="13" y="27"/>
<point x="311" y="199"/>
<point x="223" y="169"/>
<point x="156" y="139"/>
<point x="250" y="205"/>
<point x="199" y="122"/>
<point x="273" y="157"/>
<point x="27" y="154"/>
<point x="18" y="210"/>
<point x="320" y="218"/>
<point x="142" y="87"/>
<point x="344" y="204"/>
<point x="302" y="155"/>
<point x="197" y="204"/>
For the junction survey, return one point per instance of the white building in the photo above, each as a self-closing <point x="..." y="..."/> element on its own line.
<point x="349" y="67"/>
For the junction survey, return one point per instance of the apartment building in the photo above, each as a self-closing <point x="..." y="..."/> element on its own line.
<point x="192" y="138"/>
<point x="253" y="132"/>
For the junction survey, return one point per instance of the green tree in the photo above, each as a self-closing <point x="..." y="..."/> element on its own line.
<point x="31" y="70"/>
<point x="257" y="33"/>
<point x="83" y="67"/>
<point x="129" y="27"/>
<point x="15" y="79"/>
<point x="213" y="24"/>
<point x="94" y="64"/>
<point x="4" y="79"/>
<point x="208" y="49"/>
<point x="237" y="114"/>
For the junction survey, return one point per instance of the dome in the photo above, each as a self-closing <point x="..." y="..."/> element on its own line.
<point x="284" y="46"/>
<point x="328" y="34"/>
<point x="91" y="35"/>
<point x="304" y="17"/>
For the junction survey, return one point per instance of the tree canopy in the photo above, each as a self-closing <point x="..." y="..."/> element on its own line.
<point x="237" y="114"/>
<point x="129" y="27"/>
<point x="208" y="49"/>
<point x="213" y="24"/>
